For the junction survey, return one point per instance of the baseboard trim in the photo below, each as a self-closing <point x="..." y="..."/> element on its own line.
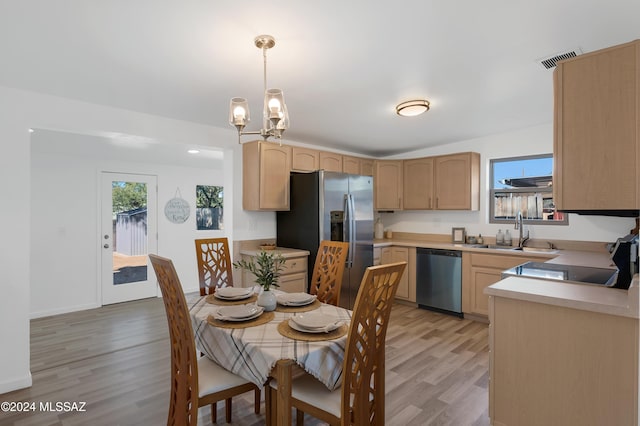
<point x="64" y="310"/>
<point x="15" y="384"/>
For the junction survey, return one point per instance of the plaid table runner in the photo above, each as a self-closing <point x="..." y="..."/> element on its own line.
<point x="253" y="351"/>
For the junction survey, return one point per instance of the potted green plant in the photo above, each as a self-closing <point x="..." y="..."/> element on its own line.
<point x="266" y="267"/>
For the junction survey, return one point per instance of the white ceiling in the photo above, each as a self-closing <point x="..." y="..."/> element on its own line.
<point x="343" y="65"/>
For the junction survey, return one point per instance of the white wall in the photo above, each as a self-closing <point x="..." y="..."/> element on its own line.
<point x="65" y="235"/>
<point x="529" y="141"/>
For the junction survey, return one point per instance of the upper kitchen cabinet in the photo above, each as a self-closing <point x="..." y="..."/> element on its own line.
<point x="597" y="126"/>
<point x="330" y="161"/>
<point x="388" y="184"/>
<point x="304" y="159"/>
<point x="366" y="167"/>
<point x="418" y="184"/>
<point x="265" y="176"/>
<point x="351" y="165"/>
<point x="457" y="181"/>
<point x="357" y="166"/>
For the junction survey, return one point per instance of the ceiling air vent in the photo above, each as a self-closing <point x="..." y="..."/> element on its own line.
<point x="551" y="61"/>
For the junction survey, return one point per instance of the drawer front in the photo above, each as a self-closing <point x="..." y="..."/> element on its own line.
<point x="293" y="283"/>
<point x="296" y="264"/>
<point x="496" y="261"/>
<point x="501" y="261"/>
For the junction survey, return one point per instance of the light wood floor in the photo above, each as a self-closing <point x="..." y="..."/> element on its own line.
<point x="116" y="359"/>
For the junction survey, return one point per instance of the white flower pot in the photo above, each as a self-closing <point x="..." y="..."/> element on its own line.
<point x="267" y="299"/>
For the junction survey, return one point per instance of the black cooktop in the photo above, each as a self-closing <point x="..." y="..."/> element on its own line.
<point x="552" y="271"/>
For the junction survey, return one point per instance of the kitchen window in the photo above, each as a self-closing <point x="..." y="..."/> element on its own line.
<point x="523" y="184"/>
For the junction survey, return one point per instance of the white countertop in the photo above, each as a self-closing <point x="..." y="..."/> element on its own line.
<point x="585" y="297"/>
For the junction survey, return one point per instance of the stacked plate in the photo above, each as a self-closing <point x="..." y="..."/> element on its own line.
<point x="314" y="322"/>
<point x="233" y="293"/>
<point x="295" y="299"/>
<point x="238" y="312"/>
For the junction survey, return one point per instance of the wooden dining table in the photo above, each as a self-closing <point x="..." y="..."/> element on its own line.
<point x="266" y="347"/>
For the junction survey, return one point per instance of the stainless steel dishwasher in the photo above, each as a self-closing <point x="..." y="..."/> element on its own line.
<point x="439" y="280"/>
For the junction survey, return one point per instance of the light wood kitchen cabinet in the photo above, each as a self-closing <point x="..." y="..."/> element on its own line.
<point x="418" y="184"/>
<point x="350" y="165"/>
<point x="293" y="278"/>
<point x="479" y="271"/>
<point x="597" y="130"/>
<point x="555" y="365"/>
<point x="407" y="286"/>
<point x="304" y="159"/>
<point x="366" y="167"/>
<point x="357" y="166"/>
<point x="265" y="176"/>
<point x="388" y="184"/>
<point x="457" y="181"/>
<point x="330" y="161"/>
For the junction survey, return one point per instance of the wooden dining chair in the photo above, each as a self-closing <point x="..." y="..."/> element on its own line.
<point x="360" y="399"/>
<point x="326" y="279"/>
<point x="214" y="264"/>
<point x="195" y="382"/>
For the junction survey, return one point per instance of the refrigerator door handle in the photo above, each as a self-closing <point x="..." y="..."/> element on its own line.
<point x="346" y="228"/>
<point x="352" y="230"/>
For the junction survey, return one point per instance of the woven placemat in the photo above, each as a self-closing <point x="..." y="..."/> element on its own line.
<point x="306" y="308"/>
<point x="262" y="319"/>
<point x="285" y="329"/>
<point x="215" y="301"/>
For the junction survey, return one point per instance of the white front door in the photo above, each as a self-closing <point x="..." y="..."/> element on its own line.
<point x="129" y="234"/>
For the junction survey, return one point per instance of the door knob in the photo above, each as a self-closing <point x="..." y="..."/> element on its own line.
<point x="106" y="246"/>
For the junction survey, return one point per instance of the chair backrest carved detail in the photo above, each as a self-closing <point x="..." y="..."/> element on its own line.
<point x="326" y="280"/>
<point x="214" y="264"/>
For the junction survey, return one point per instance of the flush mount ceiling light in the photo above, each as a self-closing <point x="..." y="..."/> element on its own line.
<point x="275" y="117"/>
<point x="412" y="108"/>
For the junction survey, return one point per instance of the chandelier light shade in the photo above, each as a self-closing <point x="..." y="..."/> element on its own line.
<point x="412" y="108"/>
<point x="239" y="112"/>
<point x="275" y="115"/>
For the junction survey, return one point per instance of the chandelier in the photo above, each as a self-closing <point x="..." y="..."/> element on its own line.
<point x="275" y="118"/>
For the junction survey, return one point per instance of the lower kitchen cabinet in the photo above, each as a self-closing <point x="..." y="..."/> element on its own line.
<point x="407" y="287"/>
<point x="555" y="365"/>
<point x="479" y="271"/>
<point x="293" y="277"/>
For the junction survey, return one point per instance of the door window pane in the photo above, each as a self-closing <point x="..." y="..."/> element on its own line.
<point x="129" y="201"/>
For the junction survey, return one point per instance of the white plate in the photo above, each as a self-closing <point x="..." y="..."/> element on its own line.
<point x="233" y="293"/>
<point x="238" y="312"/>
<point x="314" y="330"/>
<point x="295" y="299"/>
<point x="314" y="319"/>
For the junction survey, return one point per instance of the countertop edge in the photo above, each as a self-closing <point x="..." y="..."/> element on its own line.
<point x="625" y="303"/>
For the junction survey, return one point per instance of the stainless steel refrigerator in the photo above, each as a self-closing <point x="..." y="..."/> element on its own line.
<point x="331" y="206"/>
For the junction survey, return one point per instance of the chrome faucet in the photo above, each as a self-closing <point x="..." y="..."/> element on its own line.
<point x="520" y="226"/>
